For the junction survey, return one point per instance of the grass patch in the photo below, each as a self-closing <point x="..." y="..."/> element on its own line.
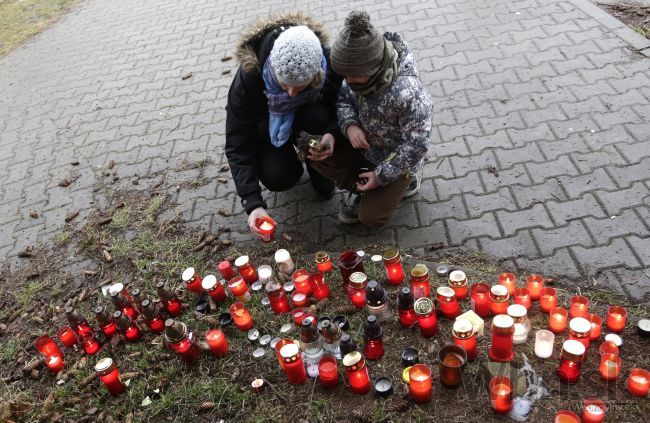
<point x="643" y="30"/>
<point x="152" y="209"/>
<point x="62" y="237"/>
<point x="8" y="350"/>
<point x="27" y="294"/>
<point x="121" y="218"/>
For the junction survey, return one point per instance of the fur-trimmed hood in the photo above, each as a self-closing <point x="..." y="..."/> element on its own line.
<point x="248" y="50"/>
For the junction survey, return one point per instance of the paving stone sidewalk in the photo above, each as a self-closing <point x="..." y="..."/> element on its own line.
<point x="540" y="158"/>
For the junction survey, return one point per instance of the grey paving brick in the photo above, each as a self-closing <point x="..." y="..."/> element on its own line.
<point x="462" y="165"/>
<point x="461" y="230"/>
<point x="640" y="131"/>
<point x="497" y="140"/>
<point x="626" y="223"/>
<point x="627" y="175"/>
<point x="521" y="219"/>
<point x="504" y="177"/>
<point x="528" y="195"/>
<point x="446" y="188"/>
<point x="522" y="136"/>
<point x="562" y="212"/>
<point x="560" y="264"/>
<point x="524" y="154"/>
<point x="615" y="201"/>
<point x="642" y="248"/>
<point x="558" y="167"/>
<point x="576" y="186"/>
<point x="521" y="244"/>
<point x="421" y="237"/>
<point x="574" y="233"/>
<point x="617" y="253"/>
<point x="499" y="200"/>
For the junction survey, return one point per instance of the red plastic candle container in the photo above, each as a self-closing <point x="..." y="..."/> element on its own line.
<point x="277" y="297"/>
<point x="214" y="288"/>
<point x="420" y="383"/>
<point x="427" y="319"/>
<point x="405" y="304"/>
<point x="239" y="289"/>
<point x="358" y="281"/>
<point x="596" y="326"/>
<point x="571" y="359"/>
<point x="535" y="283"/>
<point x="299" y="299"/>
<point x="610" y="367"/>
<point x="278" y="347"/>
<point x="349" y="262"/>
<point x="449" y="307"/>
<point x="122" y="304"/>
<point x="458" y="282"/>
<point x="106" y="321"/>
<point x="357" y="372"/>
<point x="503" y="328"/>
<point x="298" y="315"/>
<point x="328" y="372"/>
<point x="241" y="316"/>
<point x="181" y="340"/>
<point x="319" y="288"/>
<point x="168" y="300"/>
<point x="480" y="299"/>
<point x="226" y="270"/>
<point x="293" y="365"/>
<point x="109" y="375"/>
<point x="594" y="411"/>
<point x="465" y="337"/>
<point x="452" y="359"/>
<point x="616" y="317"/>
<point x="66" y="336"/>
<point x="373" y="348"/>
<point x="217" y="342"/>
<point x="301" y="281"/>
<point x="639" y="382"/>
<point x="499" y="300"/>
<point x="558" y="318"/>
<point x="501" y="394"/>
<point x="547" y="299"/>
<point x="192" y="280"/>
<point x="579" y="306"/>
<point x="152" y="316"/>
<point x="580" y="330"/>
<point x="608" y="347"/>
<point x="78" y="323"/>
<point x="323" y="262"/>
<point x="522" y="296"/>
<point x="126" y="326"/>
<point x="90" y="344"/>
<point x="246" y="269"/>
<point x="566" y="416"/>
<point x="266" y="226"/>
<point x="508" y="280"/>
<point x="420" y="285"/>
<point x="51" y="353"/>
<point x="393" y="264"/>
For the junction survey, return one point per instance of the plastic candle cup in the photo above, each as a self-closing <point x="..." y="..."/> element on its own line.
<point x="480" y="299"/>
<point x="323" y="262"/>
<point x="464" y="337"/>
<point x="66" y="336"/>
<point x="51" y="353"/>
<point x="547" y="299"/>
<point x="643" y="328"/>
<point x="405" y="303"/>
<point x="299" y="299"/>
<point x="349" y="262"/>
<point x="452" y="360"/>
<point x="217" y="342"/>
<point x="90" y="344"/>
<point x="544" y="341"/>
<point x="427" y="319"/>
<point x="608" y="347"/>
<point x="458" y="282"/>
<point x="126" y="326"/>
<point x="616" y="317"/>
<point x="214" y="288"/>
<point x="566" y="416"/>
<point x="109" y="375"/>
<point x="508" y="280"/>
<point x="319" y="287"/>
<point x="503" y="328"/>
<point x="294" y="367"/>
<point x="278" y="347"/>
<point x="192" y="280"/>
<point x="420" y="384"/>
<point x="239" y="289"/>
<point x="522" y="324"/>
<point x="535" y="283"/>
<point x="410" y="357"/>
<point x="264" y="274"/>
<point x="181" y="340"/>
<point x="499" y="300"/>
<point x="152" y="316"/>
<point x="377" y="302"/>
<point x="393" y="264"/>
<point x="522" y="296"/>
<point x="358" y="282"/>
<point x="277" y="297"/>
<point x="639" y="382"/>
<point x="283" y="261"/>
<point x="301" y="281"/>
<point x="610" y="367"/>
<point x="383" y="386"/>
<point x="169" y="300"/>
<point x="501" y="394"/>
<point x="420" y="284"/>
<point x="580" y="330"/>
<point x="373" y="348"/>
<point x="246" y="269"/>
<point x="298" y="315"/>
<point x="594" y="411"/>
<point x="449" y="307"/>
<point x="596" y="325"/>
<point x="571" y="359"/>
<point x="266" y="226"/>
<point x="106" y="321"/>
<point x="357" y="372"/>
<point x="579" y="306"/>
<point x="226" y="270"/>
<point x="241" y="316"/>
<point x="558" y="319"/>
<point x="328" y="372"/>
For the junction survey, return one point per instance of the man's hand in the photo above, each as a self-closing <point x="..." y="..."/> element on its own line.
<point x="326" y="146"/>
<point x="357" y="137"/>
<point x="369" y="181"/>
<point x="252" y="220"/>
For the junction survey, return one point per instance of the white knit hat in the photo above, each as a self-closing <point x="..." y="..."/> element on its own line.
<point x="296" y="56"/>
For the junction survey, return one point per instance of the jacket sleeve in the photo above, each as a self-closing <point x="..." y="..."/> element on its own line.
<point x="243" y="113"/>
<point x="346" y="109"/>
<point x="415" y="124"/>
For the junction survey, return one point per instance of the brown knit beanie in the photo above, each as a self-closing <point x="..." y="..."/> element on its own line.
<point x="359" y="47"/>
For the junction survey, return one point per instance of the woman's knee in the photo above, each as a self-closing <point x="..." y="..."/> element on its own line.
<point x="280" y="178"/>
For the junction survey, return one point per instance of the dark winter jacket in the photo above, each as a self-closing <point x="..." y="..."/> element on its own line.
<point x="247" y="104"/>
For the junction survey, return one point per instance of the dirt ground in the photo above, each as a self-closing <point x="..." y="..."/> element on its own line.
<point x="635" y="15"/>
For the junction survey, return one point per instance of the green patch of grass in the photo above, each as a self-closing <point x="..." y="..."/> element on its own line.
<point x="28" y="293"/>
<point x="643" y="30"/>
<point x="9" y="349"/>
<point x="62" y="237"/>
<point x="121" y="218"/>
<point x="153" y="209"/>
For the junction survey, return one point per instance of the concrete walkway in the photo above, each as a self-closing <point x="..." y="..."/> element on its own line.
<point x="541" y="156"/>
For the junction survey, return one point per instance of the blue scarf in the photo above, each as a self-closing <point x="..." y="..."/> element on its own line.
<point x="282" y="107"/>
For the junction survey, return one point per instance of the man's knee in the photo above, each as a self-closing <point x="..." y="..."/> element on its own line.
<point x="373" y="219"/>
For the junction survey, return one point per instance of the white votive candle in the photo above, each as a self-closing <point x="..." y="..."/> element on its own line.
<point x="264" y="273"/>
<point x="544" y="343"/>
<point x="283" y="261"/>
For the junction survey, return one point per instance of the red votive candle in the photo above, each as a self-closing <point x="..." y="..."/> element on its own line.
<point x="610" y="367"/>
<point x="501" y="394"/>
<point x="503" y="329"/>
<point x="557" y="319"/>
<point x="109" y="375"/>
<point x="420" y="284"/>
<point x="51" y="353"/>
<point x="596" y="326"/>
<point x="571" y="359"/>
<point x="277" y="297"/>
<point x="616" y="317"/>
<point x="301" y="281"/>
<point x="299" y="299"/>
<point x="608" y="347"/>
<point x="357" y="372"/>
<point x="328" y="372"/>
<point x="152" y="316"/>
<point x="323" y="262"/>
<point x="241" y="316"/>
<point x="298" y="315"/>
<point x="639" y="382"/>
<point x="192" y="280"/>
<point x="226" y="270"/>
<point x="239" y="289"/>
<point x="449" y="307"/>
<point x="349" y="262"/>
<point x="480" y="299"/>
<point x="393" y="264"/>
<point x="181" y="340"/>
<point x="405" y="308"/>
<point x="90" y="344"/>
<point x="594" y="411"/>
<point x="499" y="300"/>
<point x="464" y="337"/>
<point x="66" y="336"/>
<point x="452" y="359"/>
<point x="535" y="283"/>
<point x="168" y="299"/>
<point x="106" y="321"/>
<point x="357" y="284"/>
<point x="580" y="330"/>
<point x="217" y="342"/>
<point x="278" y="347"/>
<point x="427" y="319"/>
<point x="294" y="367"/>
<point x="266" y="226"/>
<point x="246" y="269"/>
<point x="458" y="282"/>
<point x="547" y="299"/>
<point x="579" y="306"/>
<point x="214" y="288"/>
<point x="420" y="383"/>
<point x="508" y="280"/>
<point x="566" y="416"/>
<point x="319" y="288"/>
<point x="522" y="296"/>
<point x="126" y="326"/>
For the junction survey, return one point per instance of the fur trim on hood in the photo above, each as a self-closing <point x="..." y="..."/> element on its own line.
<point x="246" y="48"/>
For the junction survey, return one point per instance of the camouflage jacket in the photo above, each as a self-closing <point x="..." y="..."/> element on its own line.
<point x="397" y="121"/>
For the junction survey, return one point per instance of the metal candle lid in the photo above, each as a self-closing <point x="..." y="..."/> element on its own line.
<point x="203" y="307"/>
<point x="342" y="322"/>
<point x="265" y="340"/>
<point x="352" y="359"/>
<point x="503" y="321"/>
<point x="457" y="278"/>
<point x="573" y="350"/>
<point x="580" y="325"/>
<point x="281" y="255"/>
<point x="419" y="270"/>
<point x="463" y="329"/>
<point x="265" y="301"/>
<point x="188" y="274"/>
<point x="286" y="328"/>
<point x="442" y="271"/>
<point x="518" y="312"/>
<point x="616" y="339"/>
<point x="289" y="352"/>
<point x="322" y="257"/>
<point x="274" y="342"/>
<point x="258" y="353"/>
<point x="446" y="292"/>
<point x="643" y="328"/>
<point x="289" y="287"/>
<point x="391" y="255"/>
<point x="253" y="334"/>
<point x="499" y="293"/>
<point x="423" y="306"/>
<point x="257" y="384"/>
<point x="376" y="258"/>
<point x="410" y="357"/>
<point x="371" y="328"/>
<point x="242" y="261"/>
<point x="358" y="280"/>
<point x="383" y="387"/>
<point x="225" y="319"/>
<point x="257" y="286"/>
<point x="103" y="365"/>
<point x="361" y="253"/>
<point x="209" y="282"/>
<point x="273" y="287"/>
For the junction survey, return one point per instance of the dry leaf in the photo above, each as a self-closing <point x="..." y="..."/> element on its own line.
<point x="222" y="180"/>
<point x="70" y="216"/>
<point x="223" y="212"/>
<point x="186" y="76"/>
<point x="105" y="220"/>
<point x="226" y="58"/>
<point x="107" y="256"/>
<point x="111" y="164"/>
<point x="33" y="214"/>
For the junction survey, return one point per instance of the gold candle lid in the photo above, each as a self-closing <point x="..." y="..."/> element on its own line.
<point x="423" y="306"/>
<point x="209" y="282"/>
<point x="518" y="312"/>
<point x="358" y="280"/>
<point x="499" y="293"/>
<point x="289" y="352"/>
<point x="457" y="278"/>
<point x="391" y="255"/>
<point x="188" y="274"/>
<point x="580" y="327"/>
<point x="463" y="329"/>
<point x="503" y="321"/>
<point x="104" y="366"/>
<point x="446" y="292"/>
<point x="419" y="270"/>
<point x="322" y="257"/>
<point x="573" y="350"/>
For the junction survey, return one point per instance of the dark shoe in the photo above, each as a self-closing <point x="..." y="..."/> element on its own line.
<point x="349" y="212"/>
<point x="414" y="187"/>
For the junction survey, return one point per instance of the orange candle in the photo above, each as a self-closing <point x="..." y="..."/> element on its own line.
<point x="579" y="306"/>
<point x="580" y="330"/>
<point x="557" y="319"/>
<point x="547" y="299"/>
<point x="241" y="316"/>
<point x="266" y="226"/>
<point x="299" y="299"/>
<point x="420" y="383"/>
<point x="596" y="325"/>
<point x="508" y="280"/>
<point x="566" y="416"/>
<point x="501" y="394"/>
<point x="616" y="317"/>
<point x="639" y="382"/>
<point x="239" y="289"/>
<point x="217" y="342"/>
<point x="594" y="411"/>
<point x="610" y="367"/>
<point x="499" y="300"/>
<point x="535" y="283"/>
<point x="522" y="296"/>
<point x="608" y="347"/>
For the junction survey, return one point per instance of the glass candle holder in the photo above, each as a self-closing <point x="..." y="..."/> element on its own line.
<point x="109" y="375"/>
<point x="596" y="326"/>
<point x="278" y="347"/>
<point x="535" y="283"/>
<point x="616" y="318"/>
<point x="226" y="270"/>
<point x="547" y="299"/>
<point x="458" y="282"/>
<point x="266" y="226"/>
<point x="357" y="372"/>
<point x="420" y="384"/>
<point x="579" y="306"/>
<point x="373" y="348"/>
<point x="566" y="416"/>
<point x="319" y="288"/>
<point x="239" y="289"/>
<point x="501" y="394"/>
<point x="191" y="280"/>
<point x="420" y="283"/>
<point x="331" y="335"/>
<point x="464" y="337"/>
<point x="301" y="281"/>
<point x="246" y="269"/>
<point x="89" y="344"/>
<point x="299" y="299"/>
<point x="122" y="304"/>
<point x="499" y="300"/>
<point x="377" y="302"/>
<point x="503" y="328"/>
<point x="66" y="336"/>
<point x="323" y="263"/>
<point x="610" y="367"/>
<point x="608" y="347"/>
<point x="52" y="355"/>
<point x="349" y="262"/>
<point x="264" y="274"/>
<point x="544" y="341"/>
<point x="522" y="324"/>
<point x="217" y="342"/>
<point x="427" y="319"/>
<point x="283" y="261"/>
<point x="571" y="359"/>
<point x="508" y="280"/>
<point x="452" y="360"/>
<point x="358" y="282"/>
<point x="522" y="296"/>
<point x="328" y="372"/>
<point x="214" y="288"/>
<point x="558" y="318"/>
<point x="241" y="316"/>
<point x="126" y="326"/>
<point x="405" y="308"/>
<point x="480" y="299"/>
<point x="580" y="330"/>
<point x="152" y="316"/>
<point x="638" y="383"/>
<point x="277" y="297"/>
<point x="181" y="340"/>
<point x="168" y="299"/>
<point x="594" y="411"/>
<point x="449" y="307"/>
<point x="393" y="264"/>
<point x="293" y="365"/>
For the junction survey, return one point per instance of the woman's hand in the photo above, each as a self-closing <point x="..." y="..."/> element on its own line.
<point x="326" y="149"/>
<point x="357" y="137"/>
<point x="252" y="220"/>
<point x="369" y="181"/>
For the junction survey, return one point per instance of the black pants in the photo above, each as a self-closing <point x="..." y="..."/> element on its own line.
<point x="278" y="168"/>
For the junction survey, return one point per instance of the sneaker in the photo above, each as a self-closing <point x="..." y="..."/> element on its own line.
<point x="349" y="212"/>
<point x="414" y="186"/>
